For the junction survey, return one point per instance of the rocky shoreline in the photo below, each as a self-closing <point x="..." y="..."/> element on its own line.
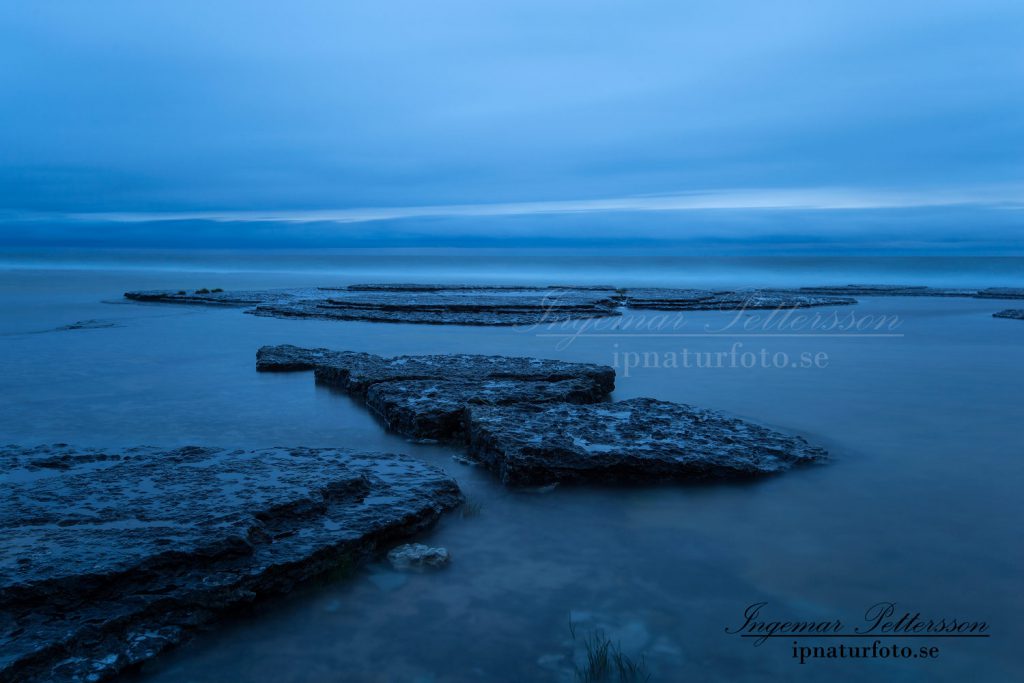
<point x="539" y="422"/>
<point x="440" y="304"/>
<point x="111" y="557"/>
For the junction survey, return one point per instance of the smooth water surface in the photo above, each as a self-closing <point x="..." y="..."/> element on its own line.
<point x="920" y="504"/>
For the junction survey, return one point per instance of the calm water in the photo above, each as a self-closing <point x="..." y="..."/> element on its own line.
<point x="920" y="505"/>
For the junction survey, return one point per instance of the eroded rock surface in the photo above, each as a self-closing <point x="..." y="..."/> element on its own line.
<point x="538" y="422"/>
<point x="1011" y="313"/>
<point x="425" y="304"/>
<point x="708" y="300"/>
<point x="440" y="304"/>
<point x="424" y="397"/>
<point x="111" y="557"/>
<point x="452" y="306"/>
<point x="433" y="409"/>
<point x="637" y="440"/>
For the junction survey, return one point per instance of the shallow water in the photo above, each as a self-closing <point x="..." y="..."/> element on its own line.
<point x="920" y="504"/>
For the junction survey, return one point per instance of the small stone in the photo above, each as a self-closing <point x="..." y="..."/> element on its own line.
<point x="417" y="556"/>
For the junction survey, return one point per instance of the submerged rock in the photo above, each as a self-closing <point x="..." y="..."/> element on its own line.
<point x="708" y="300"/>
<point x="424" y="397"/>
<point x="111" y="557"/>
<point x="1012" y="313"/>
<point x="215" y="297"/>
<point x="417" y="556"/>
<point x="640" y="439"/>
<point x="88" y="325"/>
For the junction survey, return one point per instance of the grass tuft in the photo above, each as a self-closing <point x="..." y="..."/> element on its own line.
<point x="606" y="663"/>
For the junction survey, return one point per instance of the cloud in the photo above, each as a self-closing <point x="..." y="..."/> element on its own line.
<point x="789" y="199"/>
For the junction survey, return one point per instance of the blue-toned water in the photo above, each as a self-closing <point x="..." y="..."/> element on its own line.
<point x="920" y="504"/>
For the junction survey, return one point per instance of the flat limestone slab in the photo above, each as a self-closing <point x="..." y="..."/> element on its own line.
<point x="419" y="304"/>
<point x="111" y="557"/>
<point x="454" y="304"/>
<point x="1011" y="313"/>
<point x="424" y="397"/>
<point x="708" y="300"/>
<point x="434" y="409"/>
<point x="639" y="440"/>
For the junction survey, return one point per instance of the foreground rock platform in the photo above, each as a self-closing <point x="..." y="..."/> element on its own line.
<point x="638" y="440"/>
<point x="112" y="557"/>
<point x="424" y="397"/>
<point x="1011" y="313"/>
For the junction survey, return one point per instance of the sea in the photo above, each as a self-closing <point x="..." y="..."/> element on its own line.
<point x="919" y="504"/>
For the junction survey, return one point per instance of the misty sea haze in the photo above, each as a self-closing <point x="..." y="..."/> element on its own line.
<point x="919" y="503"/>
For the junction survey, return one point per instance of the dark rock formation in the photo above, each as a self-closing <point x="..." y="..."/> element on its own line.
<point x="425" y="304"/>
<point x="1012" y="313"/>
<point x="476" y="306"/>
<point x="423" y="397"/>
<point x="88" y="325"/>
<point x="1001" y="293"/>
<point x="508" y="305"/>
<point x="433" y="409"/>
<point x="217" y="298"/>
<point x="707" y="300"/>
<point x="537" y="422"/>
<point x="288" y="358"/>
<point x="418" y="287"/>
<point x="109" y="558"/>
<point x="915" y="290"/>
<point x="636" y="440"/>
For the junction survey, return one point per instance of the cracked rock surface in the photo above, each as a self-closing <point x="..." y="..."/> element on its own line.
<point x="637" y="440"/>
<point x="537" y="422"/>
<point x="708" y="300"/>
<point x="424" y="397"/>
<point x="454" y="304"/>
<point x="424" y="304"/>
<point x="111" y="557"/>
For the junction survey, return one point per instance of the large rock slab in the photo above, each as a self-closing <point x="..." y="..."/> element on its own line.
<point x="708" y="300"/>
<point x="1011" y="313"/>
<point x="420" y="304"/>
<point x="1001" y="293"/>
<point x="357" y="372"/>
<point x="439" y="304"/>
<point x="915" y="290"/>
<point x="111" y="557"/>
<point x="434" y="409"/>
<point x="288" y="358"/>
<point x="424" y="397"/>
<point x="639" y="440"/>
<point x="468" y="306"/>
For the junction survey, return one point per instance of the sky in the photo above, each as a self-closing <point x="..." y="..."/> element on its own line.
<point x="895" y="122"/>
